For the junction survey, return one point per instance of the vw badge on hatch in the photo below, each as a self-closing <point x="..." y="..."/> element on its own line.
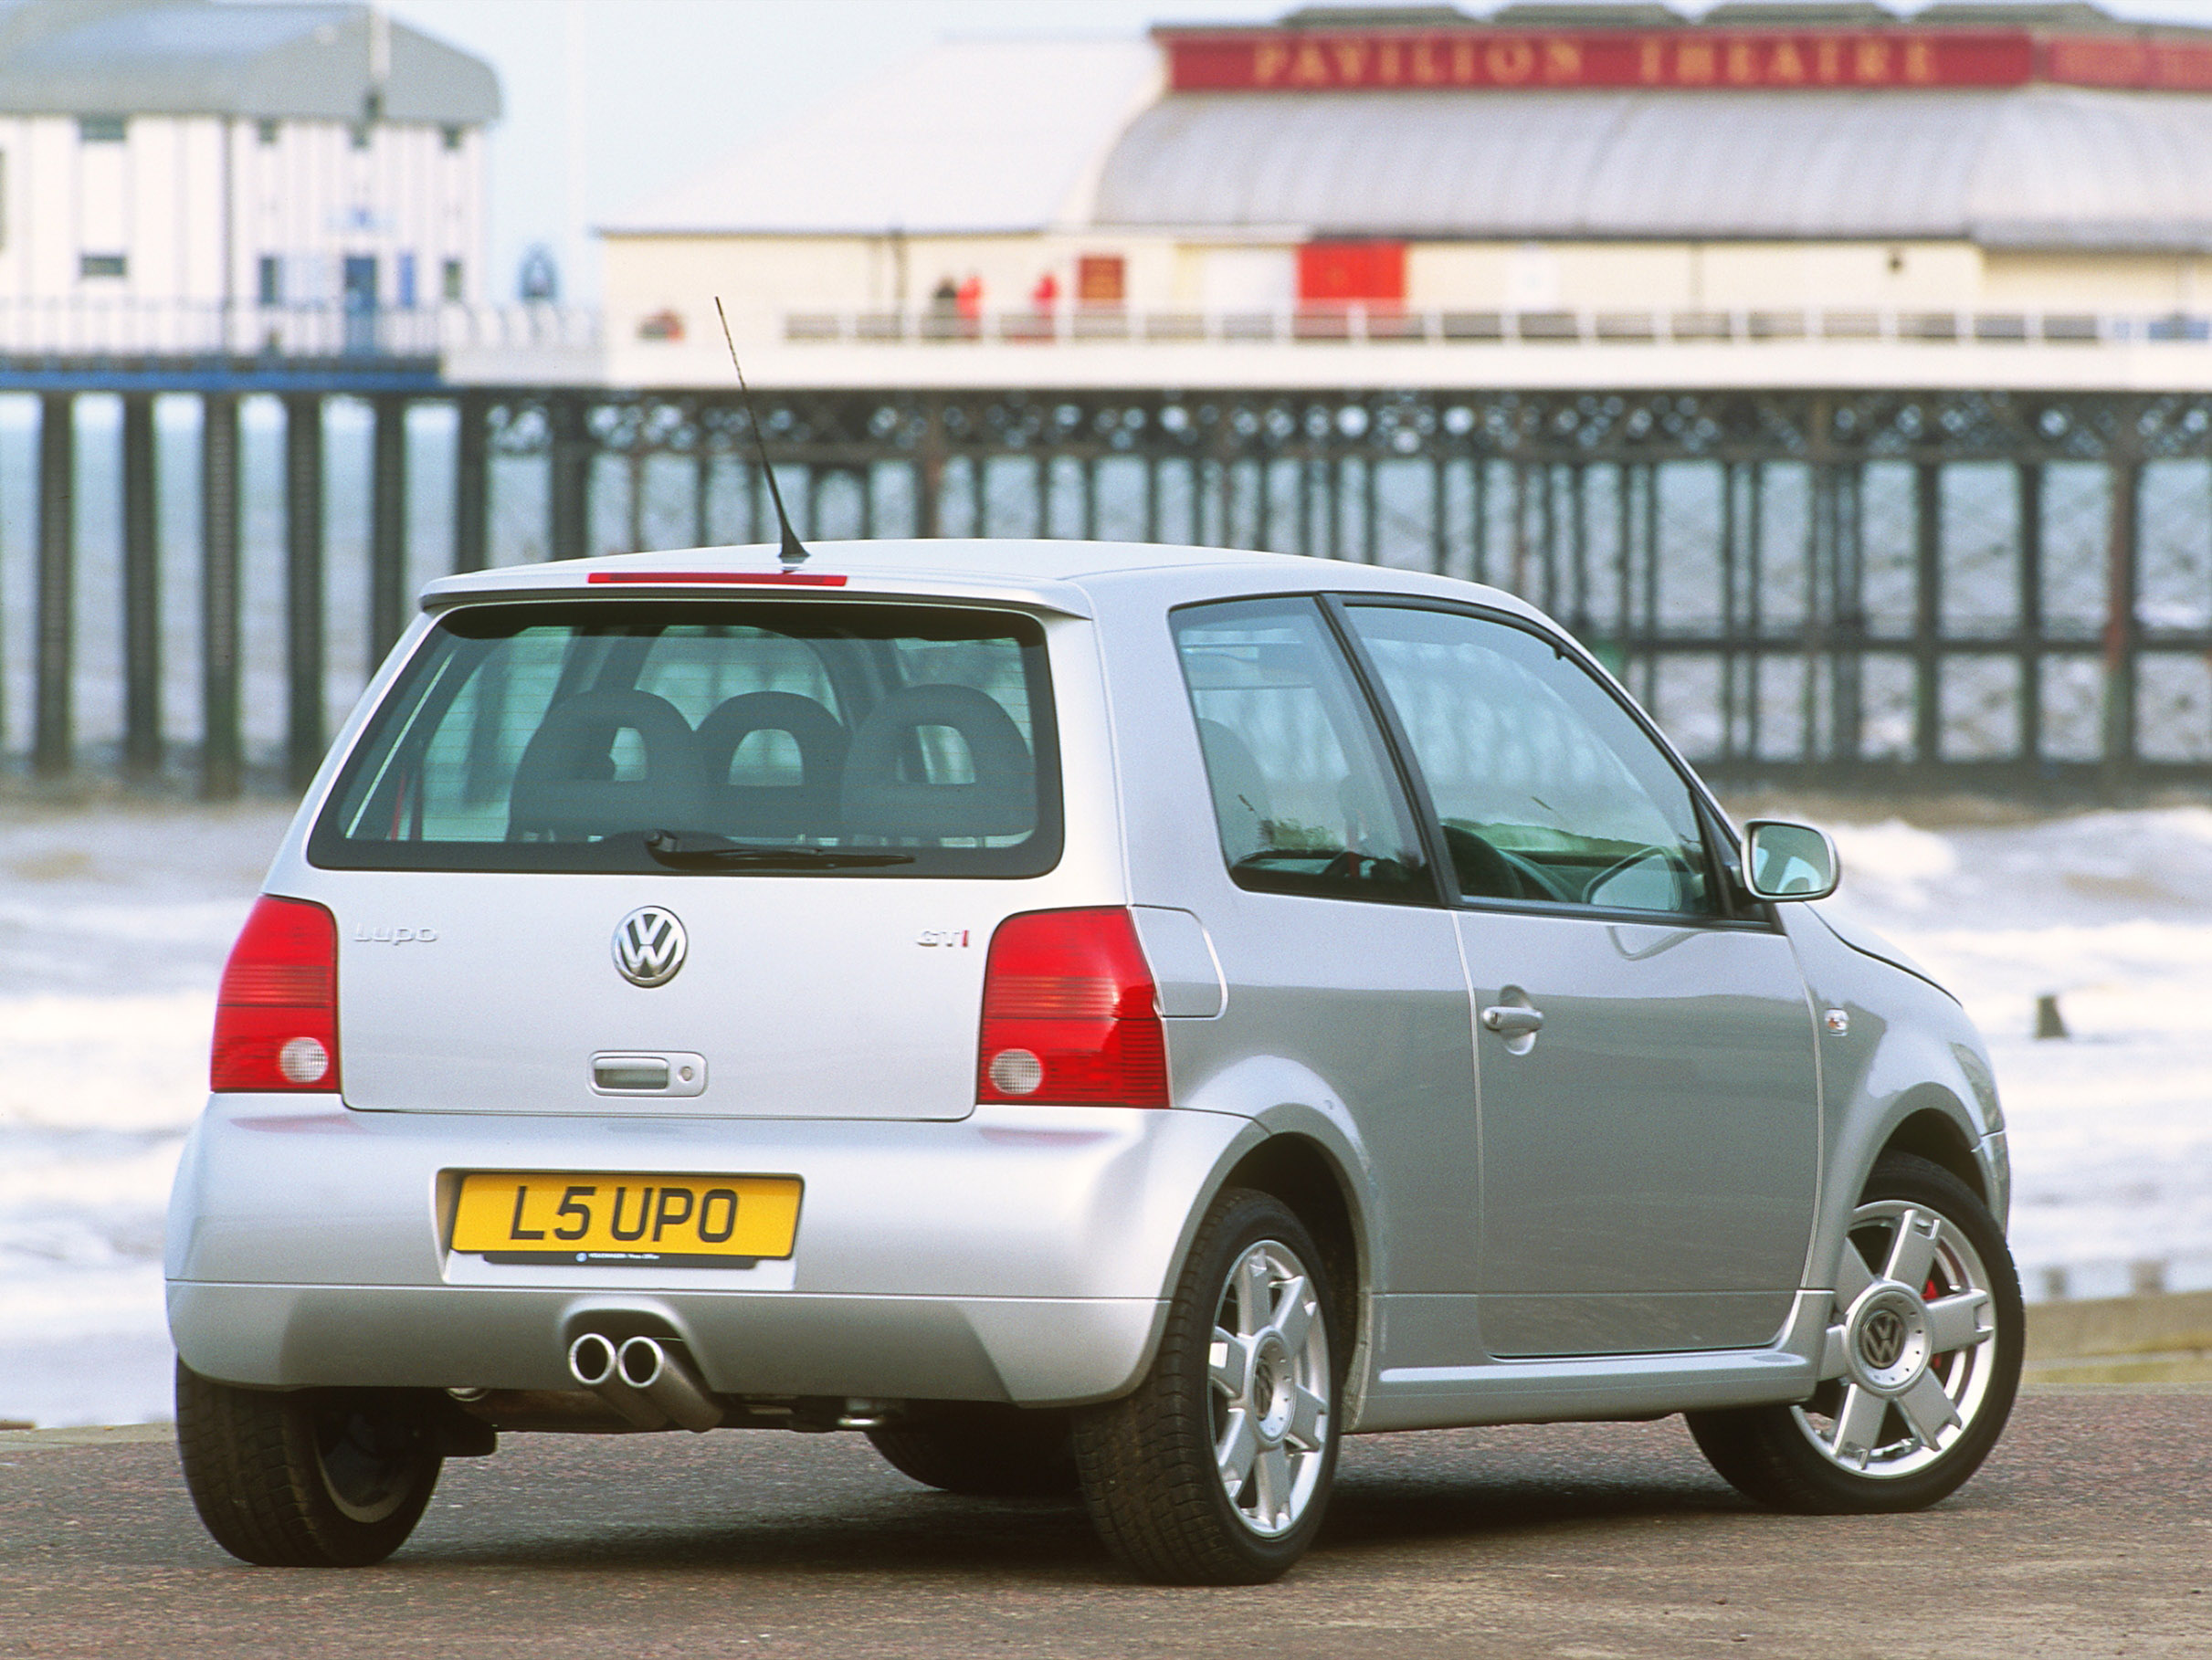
<point x="649" y="946"/>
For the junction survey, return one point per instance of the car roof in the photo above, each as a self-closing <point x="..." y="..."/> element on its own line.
<point x="1050" y="575"/>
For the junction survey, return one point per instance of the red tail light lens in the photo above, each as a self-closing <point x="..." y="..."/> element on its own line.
<point x="275" y="1019"/>
<point x="1069" y="1013"/>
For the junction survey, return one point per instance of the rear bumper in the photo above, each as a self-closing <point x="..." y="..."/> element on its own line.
<point x="1021" y="1253"/>
<point x="1032" y="1350"/>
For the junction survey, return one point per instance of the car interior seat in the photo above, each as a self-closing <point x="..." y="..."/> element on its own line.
<point x="1241" y="803"/>
<point x="807" y="807"/>
<point x="565" y="787"/>
<point x="885" y="795"/>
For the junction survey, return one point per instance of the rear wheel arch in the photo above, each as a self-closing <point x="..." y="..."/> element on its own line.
<point x="1299" y="1171"/>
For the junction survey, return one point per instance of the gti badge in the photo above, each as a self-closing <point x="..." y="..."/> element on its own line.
<point x="649" y="946"/>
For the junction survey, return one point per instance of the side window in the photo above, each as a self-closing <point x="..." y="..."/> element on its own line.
<point x="1547" y="788"/>
<point x="1304" y="791"/>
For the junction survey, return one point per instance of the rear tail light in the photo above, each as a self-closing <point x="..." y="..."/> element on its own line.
<point x="276" y="1018"/>
<point x="1069" y="1013"/>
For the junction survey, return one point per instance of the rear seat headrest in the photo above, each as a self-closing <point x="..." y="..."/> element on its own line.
<point x="877" y="801"/>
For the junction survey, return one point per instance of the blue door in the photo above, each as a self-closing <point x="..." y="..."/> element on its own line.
<point x="360" y="303"/>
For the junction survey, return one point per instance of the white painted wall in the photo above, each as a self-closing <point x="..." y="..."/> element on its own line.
<point x="193" y="203"/>
<point x="765" y="278"/>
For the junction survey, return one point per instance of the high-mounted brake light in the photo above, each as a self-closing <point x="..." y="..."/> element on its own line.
<point x="779" y="579"/>
<point x="1070" y="1015"/>
<point x="276" y="1018"/>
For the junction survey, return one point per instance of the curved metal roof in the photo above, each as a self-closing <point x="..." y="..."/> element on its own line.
<point x="189" y="56"/>
<point x="2030" y="166"/>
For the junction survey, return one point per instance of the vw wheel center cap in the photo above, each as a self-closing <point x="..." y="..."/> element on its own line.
<point x="649" y="946"/>
<point x="1886" y="1338"/>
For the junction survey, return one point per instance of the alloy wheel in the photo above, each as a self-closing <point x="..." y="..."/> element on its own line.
<point x="1268" y="1372"/>
<point x="1911" y="1347"/>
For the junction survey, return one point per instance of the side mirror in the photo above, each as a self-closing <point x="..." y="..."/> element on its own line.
<point x="1786" y="861"/>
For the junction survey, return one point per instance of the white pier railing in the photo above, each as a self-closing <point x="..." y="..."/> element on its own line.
<point x="80" y="328"/>
<point x="1357" y="324"/>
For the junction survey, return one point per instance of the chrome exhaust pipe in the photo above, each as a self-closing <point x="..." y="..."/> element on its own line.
<point x="666" y="1381"/>
<point x="594" y="1362"/>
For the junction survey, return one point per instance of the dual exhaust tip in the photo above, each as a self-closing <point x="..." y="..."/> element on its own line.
<point x="646" y="1381"/>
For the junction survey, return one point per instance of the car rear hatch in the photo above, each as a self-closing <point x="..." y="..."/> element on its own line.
<point x="640" y="855"/>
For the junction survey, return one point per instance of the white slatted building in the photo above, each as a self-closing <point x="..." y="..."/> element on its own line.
<point x="181" y="174"/>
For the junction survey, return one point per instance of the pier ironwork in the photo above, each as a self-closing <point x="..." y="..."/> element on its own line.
<point x="1861" y="589"/>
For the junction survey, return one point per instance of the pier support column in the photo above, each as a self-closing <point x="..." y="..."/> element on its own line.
<point x="1305" y="465"/>
<point x="141" y="593"/>
<point x="703" y="495"/>
<point x="1927" y="614"/>
<point x="1820" y="599"/>
<point x="2121" y="628"/>
<point x="569" y="490"/>
<point x="1847" y="569"/>
<point x="387" y="527"/>
<point x="2030" y="624"/>
<point x="1731" y="714"/>
<point x="471" y="484"/>
<point x="929" y="470"/>
<point x="303" y="607"/>
<point x="1651" y="589"/>
<point x="1371" y="511"/>
<point x="1754" y="608"/>
<point x="221" y="750"/>
<point x="52" y="742"/>
<point x="1578" y="544"/>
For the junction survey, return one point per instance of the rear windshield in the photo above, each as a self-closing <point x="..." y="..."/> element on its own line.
<point x="723" y="738"/>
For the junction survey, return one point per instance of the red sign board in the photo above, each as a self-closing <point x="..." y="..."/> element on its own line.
<point x="1338" y="60"/>
<point x="2112" y="61"/>
<point x="1340" y="273"/>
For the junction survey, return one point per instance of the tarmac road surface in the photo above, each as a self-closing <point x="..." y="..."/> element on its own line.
<point x="2089" y="1533"/>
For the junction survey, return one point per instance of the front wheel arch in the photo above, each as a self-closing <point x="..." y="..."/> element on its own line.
<point x="1912" y="1410"/>
<point x="1931" y="1133"/>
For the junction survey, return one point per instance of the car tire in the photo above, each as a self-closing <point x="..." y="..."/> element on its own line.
<point x="304" y="1478"/>
<point x="1218" y="1469"/>
<point x="1928" y="1291"/>
<point x="983" y="1451"/>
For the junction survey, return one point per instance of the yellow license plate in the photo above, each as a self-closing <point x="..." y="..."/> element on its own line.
<point x="717" y="1222"/>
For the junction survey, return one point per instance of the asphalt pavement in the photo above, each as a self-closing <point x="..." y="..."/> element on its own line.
<point x="2089" y="1533"/>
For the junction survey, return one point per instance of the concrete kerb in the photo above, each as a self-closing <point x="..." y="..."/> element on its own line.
<point x="2163" y="1338"/>
<point x="85" y="1435"/>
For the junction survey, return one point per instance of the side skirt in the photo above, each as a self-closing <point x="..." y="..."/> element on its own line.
<point x="1598" y="1387"/>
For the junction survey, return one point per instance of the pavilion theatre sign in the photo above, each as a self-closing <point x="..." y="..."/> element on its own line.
<point x="1342" y="60"/>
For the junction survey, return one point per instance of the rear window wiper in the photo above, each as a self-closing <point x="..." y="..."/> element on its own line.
<point x="695" y="851"/>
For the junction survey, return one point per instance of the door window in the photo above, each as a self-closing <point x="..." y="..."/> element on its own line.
<point x="1548" y="789"/>
<point x="1302" y="789"/>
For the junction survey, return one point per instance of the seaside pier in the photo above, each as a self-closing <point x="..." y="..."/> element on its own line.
<point x="1930" y="551"/>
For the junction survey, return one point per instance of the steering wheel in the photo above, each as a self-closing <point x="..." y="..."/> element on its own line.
<point x="1351" y="866"/>
<point x="1484" y="873"/>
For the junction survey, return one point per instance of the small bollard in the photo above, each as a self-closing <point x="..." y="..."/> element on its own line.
<point x="2147" y="1277"/>
<point x="2055" y="1284"/>
<point x="2049" y="1023"/>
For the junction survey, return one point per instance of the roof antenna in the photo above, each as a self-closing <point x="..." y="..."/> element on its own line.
<point x="794" y="553"/>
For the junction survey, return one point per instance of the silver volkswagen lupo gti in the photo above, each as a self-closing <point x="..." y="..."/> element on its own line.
<point x="1094" y="1018"/>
